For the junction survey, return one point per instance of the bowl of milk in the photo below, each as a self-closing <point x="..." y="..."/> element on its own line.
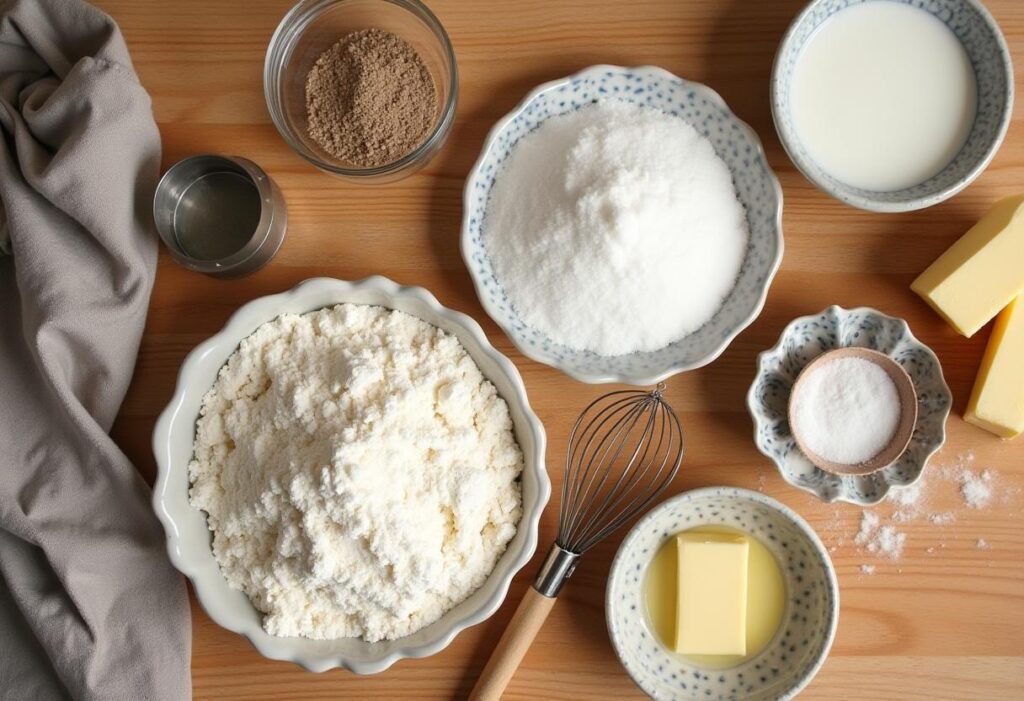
<point x="892" y="105"/>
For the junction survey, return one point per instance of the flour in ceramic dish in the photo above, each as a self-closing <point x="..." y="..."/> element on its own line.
<point x="359" y="473"/>
<point x="615" y="228"/>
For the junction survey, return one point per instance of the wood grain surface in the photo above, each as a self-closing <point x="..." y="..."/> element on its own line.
<point x="944" y="622"/>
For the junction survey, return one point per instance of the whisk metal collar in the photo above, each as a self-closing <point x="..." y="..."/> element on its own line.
<point x="558" y="566"/>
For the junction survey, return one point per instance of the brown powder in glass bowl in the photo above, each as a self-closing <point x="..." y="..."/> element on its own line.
<point x="370" y="99"/>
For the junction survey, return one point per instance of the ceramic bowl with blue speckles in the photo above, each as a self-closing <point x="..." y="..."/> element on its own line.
<point x="736" y="144"/>
<point x="990" y="58"/>
<point x="800" y="645"/>
<point x="805" y="339"/>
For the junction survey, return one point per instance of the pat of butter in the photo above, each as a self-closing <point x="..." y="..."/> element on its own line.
<point x="982" y="272"/>
<point x="997" y="402"/>
<point x="711" y="603"/>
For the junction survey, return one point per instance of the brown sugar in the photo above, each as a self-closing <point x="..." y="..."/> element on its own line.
<point x="370" y="99"/>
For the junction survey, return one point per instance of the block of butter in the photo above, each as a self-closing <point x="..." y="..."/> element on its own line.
<point x="997" y="402"/>
<point x="711" y="603"/>
<point x="980" y="273"/>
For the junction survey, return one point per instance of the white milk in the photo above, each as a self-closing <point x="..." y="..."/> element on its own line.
<point x="883" y="95"/>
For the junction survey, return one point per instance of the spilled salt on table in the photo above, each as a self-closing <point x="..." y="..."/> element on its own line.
<point x="976" y="488"/>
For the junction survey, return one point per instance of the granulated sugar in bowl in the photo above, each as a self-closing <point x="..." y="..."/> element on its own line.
<point x="626" y="204"/>
<point x="622" y="225"/>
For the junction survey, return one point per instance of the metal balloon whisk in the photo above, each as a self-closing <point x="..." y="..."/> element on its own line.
<point x="624" y="450"/>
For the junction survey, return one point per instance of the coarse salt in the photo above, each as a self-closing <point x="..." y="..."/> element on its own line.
<point x="976" y="488"/>
<point x="615" y="228"/>
<point x="847" y="410"/>
<point x="868" y="523"/>
<point x="879" y="540"/>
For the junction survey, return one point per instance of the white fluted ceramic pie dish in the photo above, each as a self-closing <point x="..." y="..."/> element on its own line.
<point x="189" y="539"/>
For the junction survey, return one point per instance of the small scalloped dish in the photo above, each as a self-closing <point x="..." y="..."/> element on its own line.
<point x="756" y="187"/>
<point x="189" y="538"/>
<point x="808" y="337"/>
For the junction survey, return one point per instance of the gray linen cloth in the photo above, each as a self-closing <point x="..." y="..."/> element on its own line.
<point x="90" y="607"/>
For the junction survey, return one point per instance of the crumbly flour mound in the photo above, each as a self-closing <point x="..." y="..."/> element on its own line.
<point x="359" y="472"/>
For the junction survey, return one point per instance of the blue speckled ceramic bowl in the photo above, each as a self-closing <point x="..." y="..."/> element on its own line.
<point x="756" y="185"/>
<point x="805" y="339"/>
<point x="993" y="70"/>
<point x="799" y="647"/>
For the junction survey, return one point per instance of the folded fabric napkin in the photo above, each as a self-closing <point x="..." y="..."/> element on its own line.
<point x="90" y="607"/>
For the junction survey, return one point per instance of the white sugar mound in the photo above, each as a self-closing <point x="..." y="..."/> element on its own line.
<point x="615" y="228"/>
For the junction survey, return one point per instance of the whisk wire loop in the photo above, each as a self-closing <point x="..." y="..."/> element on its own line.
<point x="624" y="450"/>
<point x="642" y="498"/>
<point x="577" y="467"/>
<point x="593" y="479"/>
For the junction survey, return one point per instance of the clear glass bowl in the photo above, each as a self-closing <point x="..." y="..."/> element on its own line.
<point x="310" y="28"/>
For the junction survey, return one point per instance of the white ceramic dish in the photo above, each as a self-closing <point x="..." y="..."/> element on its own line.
<point x="799" y="647"/>
<point x="188" y="538"/>
<point x="806" y="338"/>
<point x="756" y="185"/>
<point x="990" y="57"/>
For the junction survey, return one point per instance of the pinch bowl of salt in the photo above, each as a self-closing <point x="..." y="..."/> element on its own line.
<point x="622" y="225"/>
<point x="813" y="380"/>
<point x="852" y="411"/>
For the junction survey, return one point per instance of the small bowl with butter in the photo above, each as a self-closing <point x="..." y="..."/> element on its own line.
<point x="722" y="593"/>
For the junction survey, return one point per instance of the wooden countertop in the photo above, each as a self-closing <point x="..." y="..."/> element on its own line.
<point x="944" y="622"/>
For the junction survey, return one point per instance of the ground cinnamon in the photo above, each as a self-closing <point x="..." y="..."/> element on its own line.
<point x="370" y="99"/>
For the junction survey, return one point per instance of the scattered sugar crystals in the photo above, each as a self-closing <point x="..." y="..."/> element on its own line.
<point x="884" y="540"/>
<point x="868" y="525"/>
<point x="881" y="540"/>
<point x="880" y="531"/>
<point x="976" y="489"/>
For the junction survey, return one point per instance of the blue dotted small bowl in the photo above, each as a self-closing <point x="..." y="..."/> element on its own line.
<point x="799" y="647"/>
<point x="993" y="70"/>
<point x="805" y="339"/>
<point x="734" y="142"/>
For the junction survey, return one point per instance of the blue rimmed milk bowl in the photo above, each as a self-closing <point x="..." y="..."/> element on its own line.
<point x="756" y="187"/>
<point x="990" y="59"/>
<point x="800" y="644"/>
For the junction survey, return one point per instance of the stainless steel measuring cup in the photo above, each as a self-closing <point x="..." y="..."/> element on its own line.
<point x="219" y="215"/>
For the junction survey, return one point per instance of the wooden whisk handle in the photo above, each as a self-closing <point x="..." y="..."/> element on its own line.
<point x="515" y="641"/>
